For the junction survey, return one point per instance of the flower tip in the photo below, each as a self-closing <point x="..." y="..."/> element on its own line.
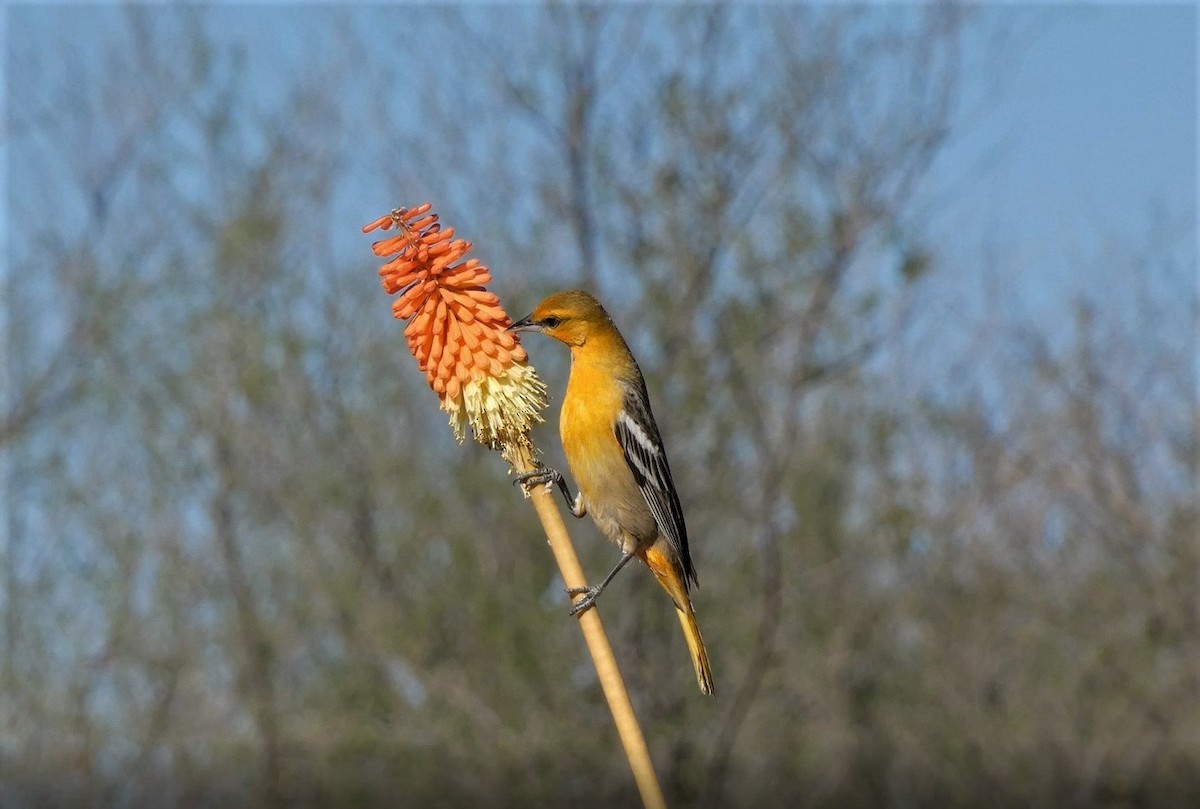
<point x="409" y="214"/>
<point x="383" y="222"/>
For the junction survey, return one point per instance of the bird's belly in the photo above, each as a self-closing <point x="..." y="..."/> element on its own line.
<point x="624" y="521"/>
<point x="613" y="498"/>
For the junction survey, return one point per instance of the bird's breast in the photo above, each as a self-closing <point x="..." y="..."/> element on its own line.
<point x="596" y="459"/>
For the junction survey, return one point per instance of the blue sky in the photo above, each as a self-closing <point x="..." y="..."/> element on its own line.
<point x="1090" y="135"/>
<point x="1086" y="119"/>
<point x="1102" y="109"/>
<point x="1075" y="135"/>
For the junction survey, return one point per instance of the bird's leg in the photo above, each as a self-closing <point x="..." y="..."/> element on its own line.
<point x="590" y="594"/>
<point x="546" y="475"/>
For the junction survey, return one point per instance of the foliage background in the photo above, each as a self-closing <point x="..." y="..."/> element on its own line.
<point x="946" y="538"/>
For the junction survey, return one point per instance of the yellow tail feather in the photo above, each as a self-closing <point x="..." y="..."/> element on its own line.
<point x="695" y="643"/>
<point x="670" y="576"/>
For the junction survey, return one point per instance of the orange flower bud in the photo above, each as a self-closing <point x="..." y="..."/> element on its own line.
<point x="437" y="234"/>
<point x="383" y="222"/>
<point x="385" y="247"/>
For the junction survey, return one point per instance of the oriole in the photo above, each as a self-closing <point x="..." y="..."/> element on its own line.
<point x="616" y="456"/>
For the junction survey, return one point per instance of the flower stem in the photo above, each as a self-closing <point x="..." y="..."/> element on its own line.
<point x="597" y="641"/>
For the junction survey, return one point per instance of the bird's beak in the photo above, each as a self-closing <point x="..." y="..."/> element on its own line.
<point x="525" y="324"/>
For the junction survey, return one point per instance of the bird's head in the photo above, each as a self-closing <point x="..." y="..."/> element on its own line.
<point x="569" y="317"/>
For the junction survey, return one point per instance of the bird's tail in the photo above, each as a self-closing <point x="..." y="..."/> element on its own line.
<point x="671" y="576"/>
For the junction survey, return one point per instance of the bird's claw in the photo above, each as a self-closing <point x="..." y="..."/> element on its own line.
<point x="548" y="476"/>
<point x="590" y="594"/>
<point x="543" y="475"/>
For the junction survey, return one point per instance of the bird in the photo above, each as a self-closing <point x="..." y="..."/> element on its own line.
<point x="615" y="453"/>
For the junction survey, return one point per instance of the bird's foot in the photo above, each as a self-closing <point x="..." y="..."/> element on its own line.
<point x="590" y="594"/>
<point x="543" y="475"/>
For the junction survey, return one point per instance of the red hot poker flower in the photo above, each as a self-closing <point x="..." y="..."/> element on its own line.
<point x="457" y="330"/>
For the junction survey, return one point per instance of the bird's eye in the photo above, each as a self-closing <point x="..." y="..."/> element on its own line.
<point x="551" y="322"/>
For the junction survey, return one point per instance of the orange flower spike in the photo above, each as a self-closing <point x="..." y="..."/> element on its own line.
<point x="455" y="329"/>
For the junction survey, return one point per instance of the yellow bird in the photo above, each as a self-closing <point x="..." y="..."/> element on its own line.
<point x="616" y="455"/>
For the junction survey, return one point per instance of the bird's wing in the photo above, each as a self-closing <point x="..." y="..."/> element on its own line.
<point x="639" y="439"/>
